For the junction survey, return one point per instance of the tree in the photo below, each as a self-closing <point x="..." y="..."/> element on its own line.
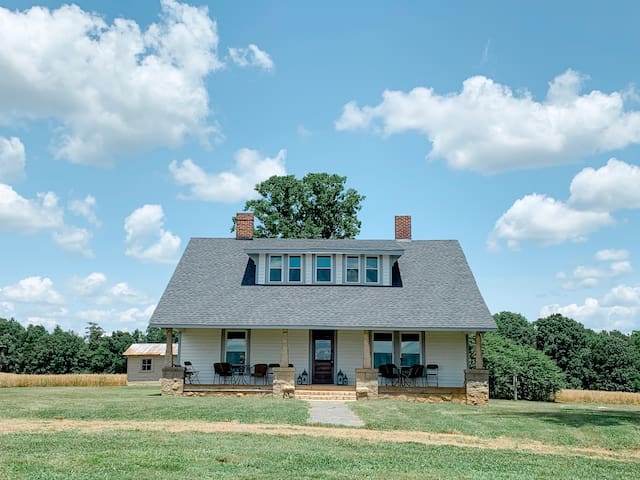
<point x="516" y="327"/>
<point x="538" y="377"/>
<point x="316" y="206"/>
<point x="11" y="333"/>
<point x="615" y="366"/>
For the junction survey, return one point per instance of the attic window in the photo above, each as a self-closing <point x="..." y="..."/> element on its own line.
<point x="371" y="272"/>
<point x="295" y="269"/>
<point x="323" y="269"/>
<point x="275" y="268"/>
<point x="353" y="269"/>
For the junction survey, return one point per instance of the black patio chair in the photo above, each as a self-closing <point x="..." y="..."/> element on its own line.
<point x="260" y="370"/>
<point x="190" y="374"/>
<point x="389" y="372"/>
<point x="223" y="371"/>
<point x="416" y="373"/>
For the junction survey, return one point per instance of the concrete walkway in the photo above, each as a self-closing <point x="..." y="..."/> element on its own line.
<point x="333" y="413"/>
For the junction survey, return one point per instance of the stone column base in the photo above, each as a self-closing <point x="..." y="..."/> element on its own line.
<point x="284" y="385"/>
<point x="366" y="383"/>
<point x="172" y="381"/>
<point x="476" y="383"/>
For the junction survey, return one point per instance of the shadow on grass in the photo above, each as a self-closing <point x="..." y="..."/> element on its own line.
<point x="581" y="418"/>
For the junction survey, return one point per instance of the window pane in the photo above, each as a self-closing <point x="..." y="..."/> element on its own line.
<point x="409" y="349"/>
<point x="276" y="262"/>
<point x="275" y="275"/>
<point x="352" y="275"/>
<point x="382" y="348"/>
<point x="235" y="358"/>
<point x="294" y="262"/>
<point x="294" y="275"/>
<point x="323" y="275"/>
<point x="381" y="359"/>
<point x="323" y="349"/>
<point x="352" y="262"/>
<point x="323" y="262"/>
<point x="372" y="276"/>
<point x="372" y="262"/>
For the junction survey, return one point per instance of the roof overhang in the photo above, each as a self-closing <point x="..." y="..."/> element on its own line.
<point x="359" y="251"/>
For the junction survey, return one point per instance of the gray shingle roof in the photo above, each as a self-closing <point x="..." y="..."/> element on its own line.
<point x="438" y="292"/>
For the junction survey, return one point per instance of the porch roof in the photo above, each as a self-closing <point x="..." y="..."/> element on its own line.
<point x="438" y="291"/>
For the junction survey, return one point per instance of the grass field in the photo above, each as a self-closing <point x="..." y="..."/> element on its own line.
<point x="113" y="444"/>
<point x="598" y="396"/>
<point x="8" y="380"/>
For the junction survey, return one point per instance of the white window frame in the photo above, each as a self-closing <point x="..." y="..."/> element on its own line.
<point x="281" y="257"/>
<point x="330" y="257"/>
<point x="420" y="346"/>
<point x="346" y="268"/>
<point x="246" y="344"/>
<point x="373" y="348"/>
<point x="289" y="257"/>
<point x="377" y="269"/>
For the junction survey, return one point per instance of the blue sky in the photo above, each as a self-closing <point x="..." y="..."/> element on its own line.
<point x="128" y="127"/>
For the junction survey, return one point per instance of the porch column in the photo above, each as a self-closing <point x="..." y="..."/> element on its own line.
<point x="479" y="363"/>
<point x="284" y="349"/>
<point x="366" y="349"/>
<point x="168" y="352"/>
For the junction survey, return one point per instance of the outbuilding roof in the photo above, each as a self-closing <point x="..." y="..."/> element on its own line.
<point x="438" y="290"/>
<point x="148" y="349"/>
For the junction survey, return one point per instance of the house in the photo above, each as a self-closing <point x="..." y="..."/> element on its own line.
<point x="329" y="312"/>
<point x="145" y="362"/>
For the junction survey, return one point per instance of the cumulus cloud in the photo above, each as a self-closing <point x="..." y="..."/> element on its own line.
<point x="113" y="88"/>
<point x="611" y="254"/>
<point x="146" y="239"/>
<point x="32" y="290"/>
<point x="85" y="208"/>
<point x="619" y="310"/>
<point x="231" y="186"/>
<point x="595" y="194"/>
<point x="487" y="128"/>
<point x="23" y="215"/>
<point x="134" y="317"/>
<point x="12" y="159"/>
<point x="88" y="285"/>
<point x="74" y="240"/>
<point x="590" y="276"/>
<point x="251" y="56"/>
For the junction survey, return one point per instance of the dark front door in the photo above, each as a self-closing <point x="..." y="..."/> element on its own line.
<point x="322" y="351"/>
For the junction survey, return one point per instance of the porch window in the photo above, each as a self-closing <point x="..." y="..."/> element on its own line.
<point x="372" y="270"/>
<point x="409" y="349"/>
<point x="295" y="269"/>
<point x="382" y="348"/>
<point x="236" y="347"/>
<point x="353" y="269"/>
<point x="323" y="269"/>
<point x="275" y="268"/>
<point x="146" y="364"/>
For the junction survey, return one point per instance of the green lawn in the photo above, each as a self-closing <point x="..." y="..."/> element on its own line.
<point x="143" y="403"/>
<point x="610" y="427"/>
<point x="139" y="455"/>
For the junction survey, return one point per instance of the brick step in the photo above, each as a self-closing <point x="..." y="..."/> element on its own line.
<point x="325" y="395"/>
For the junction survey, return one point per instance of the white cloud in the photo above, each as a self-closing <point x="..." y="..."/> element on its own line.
<point x="48" y="323"/>
<point x="32" y="290"/>
<point x="88" y="285"/>
<point x="611" y="187"/>
<point x="146" y="240"/>
<point x="135" y="317"/>
<point x="20" y="214"/>
<point x="618" y="310"/>
<point x="85" y="208"/>
<point x="7" y="306"/>
<point x="612" y="255"/>
<point x="122" y="292"/>
<point x="547" y="221"/>
<point x="251" y="57"/>
<point x="74" y="240"/>
<point x="231" y="186"/>
<point x="114" y="88"/>
<point x="12" y="159"/>
<point x="486" y="128"/>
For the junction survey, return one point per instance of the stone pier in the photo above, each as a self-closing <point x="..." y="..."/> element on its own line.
<point x="366" y="383"/>
<point x="476" y="382"/>
<point x="172" y="381"/>
<point x="284" y="385"/>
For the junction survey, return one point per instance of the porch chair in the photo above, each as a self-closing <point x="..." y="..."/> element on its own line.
<point x="223" y="371"/>
<point x="190" y="374"/>
<point x="260" y="370"/>
<point x="389" y="372"/>
<point x="432" y="373"/>
<point x="416" y="373"/>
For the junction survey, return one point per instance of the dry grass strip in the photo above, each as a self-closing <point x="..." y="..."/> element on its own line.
<point x="598" y="396"/>
<point x="376" y="436"/>
<point x="8" y="380"/>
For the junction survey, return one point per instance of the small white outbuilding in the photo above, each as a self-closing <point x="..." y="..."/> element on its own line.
<point x="145" y="362"/>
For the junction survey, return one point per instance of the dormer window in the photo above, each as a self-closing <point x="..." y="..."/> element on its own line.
<point x="353" y="269"/>
<point x="323" y="268"/>
<point x="371" y="273"/>
<point x="275" y="268"/>
<point x="295" y="269"/>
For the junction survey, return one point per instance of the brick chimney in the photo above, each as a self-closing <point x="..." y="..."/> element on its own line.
<point x="403" y="227"/>
<point x="244" y="226"/>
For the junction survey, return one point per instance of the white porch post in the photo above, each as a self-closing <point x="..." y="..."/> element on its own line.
<point x="284" y="349"/>
<point x="366" y="349"/>
<point x="479" y="363"/>
<point x="168" y="352"/>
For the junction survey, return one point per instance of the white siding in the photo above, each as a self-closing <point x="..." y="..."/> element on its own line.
<point x="449" y="351"/>
<point x="262" y="269"/>
<point x="338" y="269"/>
<point x="308" y="269"/>
<point x="265" y="346"/>
<point x="299" y="350"/>
<point x="349" y="353"/>
<point x="201" y="346"/>
<point x="386" y="270"/>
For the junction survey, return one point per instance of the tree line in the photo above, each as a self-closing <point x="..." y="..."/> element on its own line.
<point x="34" y="350"/>
<point x="557" y="352"/>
